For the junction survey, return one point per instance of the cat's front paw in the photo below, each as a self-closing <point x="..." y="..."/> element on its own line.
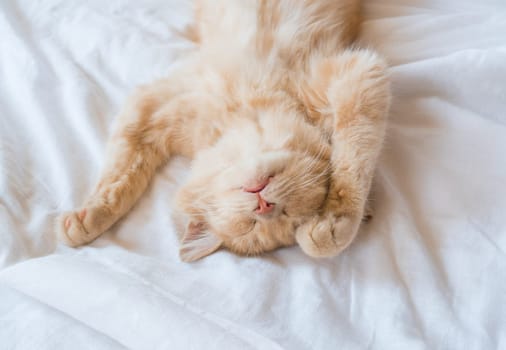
<point x="80" y="227"/>
<point x="327" y="235"/>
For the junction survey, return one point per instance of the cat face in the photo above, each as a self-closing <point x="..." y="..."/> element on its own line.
<point x="250" y="191"/>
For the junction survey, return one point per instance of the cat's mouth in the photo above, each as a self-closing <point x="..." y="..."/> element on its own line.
<point x="256" y="187"/>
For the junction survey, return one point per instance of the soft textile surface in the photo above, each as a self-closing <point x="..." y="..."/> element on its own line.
<point x="427" y="272"/>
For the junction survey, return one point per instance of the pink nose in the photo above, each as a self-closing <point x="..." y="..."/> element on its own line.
<point x="264" y="207"/>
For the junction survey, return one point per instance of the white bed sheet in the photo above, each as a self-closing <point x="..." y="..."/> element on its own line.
<point x="427" y="273"/>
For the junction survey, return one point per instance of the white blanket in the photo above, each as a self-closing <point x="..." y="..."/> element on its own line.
<point x="428" y="272"/>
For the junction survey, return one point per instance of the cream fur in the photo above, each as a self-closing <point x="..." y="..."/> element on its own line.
<point x="273" y="92"/>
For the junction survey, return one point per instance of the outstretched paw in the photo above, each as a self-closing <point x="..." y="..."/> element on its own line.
<point x="80" y="227"/>
<point x="327" y="236"/>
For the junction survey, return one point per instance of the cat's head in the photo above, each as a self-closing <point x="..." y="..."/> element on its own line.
<point x="264" y="177"/>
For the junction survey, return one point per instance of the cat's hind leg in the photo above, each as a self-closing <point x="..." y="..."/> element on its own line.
<point x="139" y="146"/>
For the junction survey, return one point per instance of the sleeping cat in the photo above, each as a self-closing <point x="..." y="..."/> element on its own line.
<point x="283" y="119"/>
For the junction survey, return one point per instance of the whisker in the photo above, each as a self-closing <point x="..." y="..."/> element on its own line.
<point x="310" y="183"/>
<point x="313" y="180"/>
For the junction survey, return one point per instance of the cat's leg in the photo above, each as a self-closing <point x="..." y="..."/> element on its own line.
<point x="351" y="93"/>
<point x="141" y="143"/>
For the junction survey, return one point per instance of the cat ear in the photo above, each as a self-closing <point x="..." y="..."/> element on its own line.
<point x="198" y="242"/>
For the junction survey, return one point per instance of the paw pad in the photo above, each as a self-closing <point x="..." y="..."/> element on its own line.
<point x="68" y="222"/>
<point x="82" y="215"/>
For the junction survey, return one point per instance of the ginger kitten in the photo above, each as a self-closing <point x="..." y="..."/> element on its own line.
<point x="283" y="119"/>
